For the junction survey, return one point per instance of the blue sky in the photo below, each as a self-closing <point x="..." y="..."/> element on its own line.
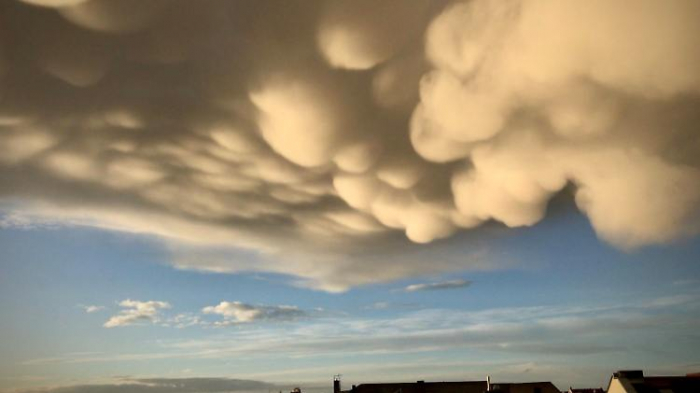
<point x="636" y="310"/>
<point x="267" y="193"/>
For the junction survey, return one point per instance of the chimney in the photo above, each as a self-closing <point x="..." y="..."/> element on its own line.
<point x="632" y="375"/>
<point x="336" y="383"/>
<point x="488" y="383"/>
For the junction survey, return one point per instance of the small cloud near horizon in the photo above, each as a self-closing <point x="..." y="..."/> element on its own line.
<point x="434" y="286"/>
<point x="164" y="385"/>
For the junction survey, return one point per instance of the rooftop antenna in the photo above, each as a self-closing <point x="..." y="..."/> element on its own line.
<point x="336" y="383"/>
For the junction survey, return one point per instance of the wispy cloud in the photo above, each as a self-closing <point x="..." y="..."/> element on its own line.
<point x="378" y="306"/>
<point x="165" y="385"/>
<point x="676" y="300"/>
<point x="237" y="312"/>
<point x="687" y="282"/>
<point x="554" y="330"/>
<point x="452" y="284"/>
<point x="135" y="312"/>
<point x="27" y="221"/>
<point x="184" y="320"/>
<point x="91" y="308"/>
<point x="385" y="305"/>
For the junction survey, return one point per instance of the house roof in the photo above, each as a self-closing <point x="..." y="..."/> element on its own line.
<point x="422" y="387"/>
<point x="675" y="384"/>
<point x="668" y="385"/>
<point x="454" y="387"/>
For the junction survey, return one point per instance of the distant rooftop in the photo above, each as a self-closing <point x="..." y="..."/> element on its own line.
<point x="454" y="387"/>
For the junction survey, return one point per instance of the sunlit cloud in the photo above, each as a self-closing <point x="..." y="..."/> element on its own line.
<point x="237" y="312"/>
<point x="137" y="312"/>
<point x="554" y="330"/>
<point x="335" y="131"/>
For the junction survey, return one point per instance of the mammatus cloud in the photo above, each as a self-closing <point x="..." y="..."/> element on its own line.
<point x="237" y="312"/>
<point x="135" y="312"/>
<point x="303" y="131"/>
<point x="452" y="284"/>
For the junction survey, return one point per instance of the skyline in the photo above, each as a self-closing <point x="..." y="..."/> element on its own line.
<point x="270" y="193"/>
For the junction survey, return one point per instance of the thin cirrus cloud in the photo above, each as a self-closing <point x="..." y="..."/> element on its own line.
<point x="239" y="132"/>
<point x="434" y="286"/>
<point x="579" y="330"/>
<point x="90" y="309"/>
<point x="136" y="312"/>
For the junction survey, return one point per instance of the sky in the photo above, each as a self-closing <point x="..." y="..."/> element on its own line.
<point x="252" y="196"/>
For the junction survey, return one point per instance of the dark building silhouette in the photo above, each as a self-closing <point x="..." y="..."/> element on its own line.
<point x="634" y="381"/>
<point x="448" y="387"/>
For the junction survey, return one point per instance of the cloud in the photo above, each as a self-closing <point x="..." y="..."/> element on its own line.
<point x="452" y="284"/>
<point x="392" y="306"/>
<point x="354" y="35"/>
<point x="183" y="320"/>
<point x="92" y="309"/>
<point x="136" y="312"/>
<point x="580" y="85"/>
<point x="165" y="385"/>
<point x="237" y="312"/>
<point x="305" y="131"/>
<point x="548" y="330"/>
<point x="378" y="306"/>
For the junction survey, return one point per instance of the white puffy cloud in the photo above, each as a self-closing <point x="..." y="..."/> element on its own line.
<point x="306" y="131"/>
<point x="135" y="312"/>
<point x="237" y="312"/>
